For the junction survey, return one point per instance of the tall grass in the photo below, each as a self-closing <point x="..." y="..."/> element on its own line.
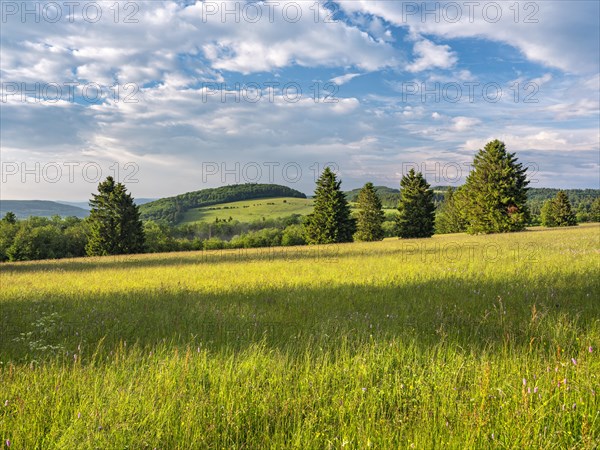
<point x="454" y="342"/>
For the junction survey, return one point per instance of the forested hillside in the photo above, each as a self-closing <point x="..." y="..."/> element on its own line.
<point x="171" y="210"/>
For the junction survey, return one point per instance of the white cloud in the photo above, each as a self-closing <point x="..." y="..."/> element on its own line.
<point x="430" y="56"/>
<point x="464" y="123"/>
<point x="560" y="34"/>
<point x="343" y="79"/>
<point x="580" y="108"/>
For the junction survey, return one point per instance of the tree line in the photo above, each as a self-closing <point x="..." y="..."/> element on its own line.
<point x="493" y="200"/>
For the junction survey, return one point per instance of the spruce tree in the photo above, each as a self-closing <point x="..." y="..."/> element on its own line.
<point x="115" y="227"/>
<point x="10" y="218"/>
<point x="557" y="212"/>
<point x="369" y="216"/>
<point x="330" y="221"/>
<point x="450" y="217"/>
<point x="416" y="209"/>
<point x="496" y="192"/>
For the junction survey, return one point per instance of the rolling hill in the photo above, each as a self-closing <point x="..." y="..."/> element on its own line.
<point x="250" y="210"/>
<point x="41" y="208"/>
<point x="172" y="210"/>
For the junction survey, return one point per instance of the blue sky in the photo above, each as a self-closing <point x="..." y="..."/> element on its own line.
<point x="192" y="98"/>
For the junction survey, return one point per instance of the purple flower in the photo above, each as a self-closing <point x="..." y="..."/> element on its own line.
<point x="524" y="382"/>
<point x="535" y="389"/>
<point x="574" y="361"/>
<point x="8" y="442"/>
<point x="590" y="349"/>
<point x="79" y="415"/>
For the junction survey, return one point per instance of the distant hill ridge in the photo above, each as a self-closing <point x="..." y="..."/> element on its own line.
<point x="41" y="208"/>
<point x="172" y="209"/>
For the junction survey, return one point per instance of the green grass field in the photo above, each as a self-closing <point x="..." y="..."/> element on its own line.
<point x="451" y="342"/>
<point x="250" y="210"/>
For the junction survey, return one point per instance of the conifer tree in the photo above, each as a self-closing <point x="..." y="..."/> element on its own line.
<point x="369" y="216"/>
<point x="416" y="209"/>
<point x="557" y="212"/>
<point x="496" y="192"/>
<point x="115" y="227"/>
<point x="330" y="221"/>
<point x="10" y="218"/>
<point x="450" y="217"/>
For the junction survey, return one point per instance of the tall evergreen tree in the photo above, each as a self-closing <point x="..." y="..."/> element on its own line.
<point x="496" y="192"/>
<point x="450" y="217"/>
<point x="416" y="209"/>
<point x="10" y="218"/>
<point x="115" y="227"/>
<point x="369" y="216"/>
<point x="557" y="212"/>
<point x="330" y="221"/>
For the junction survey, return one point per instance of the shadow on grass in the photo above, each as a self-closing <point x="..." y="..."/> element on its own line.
<point x="476" y="317"/>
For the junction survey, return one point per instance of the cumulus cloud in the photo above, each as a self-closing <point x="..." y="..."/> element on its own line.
<point x="430" y="56"/>
<point x="464" y="123"/>
<point x="558" y="34"/>
<point x="178" y="122"/>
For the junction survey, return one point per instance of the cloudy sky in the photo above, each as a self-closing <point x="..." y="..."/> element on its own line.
<point x="173" y="96"/>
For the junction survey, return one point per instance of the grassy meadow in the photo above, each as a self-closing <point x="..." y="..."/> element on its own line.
<point x="451" y="342"/>
<point x="250" y="210"/>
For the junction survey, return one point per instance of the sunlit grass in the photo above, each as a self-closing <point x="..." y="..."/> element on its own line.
<point x="250" y="210"/>
<point x="455" y="341"/>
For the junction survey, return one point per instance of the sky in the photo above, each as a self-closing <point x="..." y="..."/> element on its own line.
<point x="171" y="97"/>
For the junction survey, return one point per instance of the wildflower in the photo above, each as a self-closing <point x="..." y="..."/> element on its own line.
<point x="6" y="403"/>
<point x="574" y="361"/>
<point x="364" y="389"/>
<point x="8" y="442"/>
<point x="524" y="382"/>
<point x="79" y="415"/>
<point x="529" y="390"/>
<point x="590" y="349"/>
<point x="535" y="389"/>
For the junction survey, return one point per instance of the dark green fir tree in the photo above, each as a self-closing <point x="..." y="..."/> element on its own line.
<point x="496" y="192"/>
<point x="115" y="227"/>
<point x="330" y="221"/>
<point x="416" y="209"/>
<point x="369" y="217"/>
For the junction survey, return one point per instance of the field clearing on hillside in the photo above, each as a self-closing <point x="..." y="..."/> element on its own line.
<point x="455" y="341"/>
<point x="250" y="210"/>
